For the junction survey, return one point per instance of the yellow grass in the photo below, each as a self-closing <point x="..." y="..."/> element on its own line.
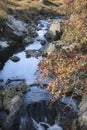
<point x="28" y="4"/>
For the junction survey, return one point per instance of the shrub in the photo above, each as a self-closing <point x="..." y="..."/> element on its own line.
<point x="76" y="29"/>
<point x="67" y="70"/>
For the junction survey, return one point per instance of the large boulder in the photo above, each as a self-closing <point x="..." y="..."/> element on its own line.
<point x="54" y="32"/>
<point x="15" y="29"/>
<point x="18" y="30"/>
<point x="14" y="105"/>
<point x="8" y="94"/>
<point x="7" y="118"/>
<point x="47" y="49"/>
<point x="82" y="114"/>
<point x="11" y="100"/>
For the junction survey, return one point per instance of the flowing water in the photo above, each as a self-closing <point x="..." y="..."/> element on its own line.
<point x="36" y="113"/>
<point x="26" y="67"/>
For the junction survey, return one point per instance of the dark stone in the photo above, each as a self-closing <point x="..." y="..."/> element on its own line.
<point x="15" y="58"/>
<point x="43" y="42"/>
<point x="54" y="32"/>
<point x="32" y="53"/>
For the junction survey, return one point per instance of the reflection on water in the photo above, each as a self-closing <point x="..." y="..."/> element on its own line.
<point x="24" y="69"/>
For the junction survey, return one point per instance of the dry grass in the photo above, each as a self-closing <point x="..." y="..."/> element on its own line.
<point x="27" y="4"/>
<point x="76" y="29"/>
<point x="56" y="6"/>
<point x="2" y="9"/>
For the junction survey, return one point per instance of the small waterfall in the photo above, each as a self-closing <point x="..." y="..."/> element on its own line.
<point x="45" y="126"/>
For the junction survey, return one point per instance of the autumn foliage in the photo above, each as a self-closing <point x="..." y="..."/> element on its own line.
<point x="60" y="68"/>
<point x="68" y="70"/>
<point x="76" y="27"/>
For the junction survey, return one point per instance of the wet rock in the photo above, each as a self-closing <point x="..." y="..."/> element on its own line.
<point x="43" y="42"/>
<point x="32" y="53"/>
<point x="82" y="114"/>
<point x="39" y="39"/>
<point x="3" y="44"/>
<point x="1" y="106"/>
<point x="1" y="80"/>
<point x="15" y="58"/>
<point x="11" y="100"/>
<point x="11" y="81"/>
<point x="1" y="66"/>
<point x="54" y="32"/>
<point x="32" y="32"/>
<point x="7" y="119"/>
<point x="3" y="115"/>
<point x="28" y="40"/>
<point x="14" y="105"/>
<point x="8" y="93"/>
<point x="15" y="29"/>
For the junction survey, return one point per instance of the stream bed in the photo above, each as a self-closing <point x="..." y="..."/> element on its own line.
<point x="26" y="67"/>
<point x="36" y="113"/>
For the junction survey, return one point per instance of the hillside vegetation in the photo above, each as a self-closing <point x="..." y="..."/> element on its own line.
<point x="28" y="8"/>
<point x="67" y="67"/>
<point x="76" y="27"/>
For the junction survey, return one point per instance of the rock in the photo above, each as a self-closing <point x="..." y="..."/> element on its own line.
<point x="15" y="82"/>
<point x="15" y="58"/>
<point x="54" y="32"/>
<point x="3" y="115"/>
<point x="11" y="100"/>
<point x="82" y="114"/>
<point x="7" y="119"/>
<point x="8" y="103"/>
<point x="1" y="80"/>
<point x="33" y="53"/>
<point x="43" y="42"/>
<point x="1" y="99"/>
<point x="47" y="49"/>
<point x="1" y="106"/>
<point x="50" y="48"/>
<point x="8" y="93"/>
<point x="3" y="44"/>
<point x="28" y="40"/>
<point x="15" y="29"/>
<point x="14" y="105"/>
<point x="32" y="31"/>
